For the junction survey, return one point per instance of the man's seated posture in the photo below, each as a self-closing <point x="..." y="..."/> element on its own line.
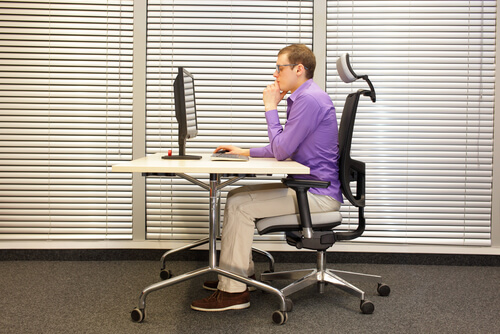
<point x="310" y="138"/>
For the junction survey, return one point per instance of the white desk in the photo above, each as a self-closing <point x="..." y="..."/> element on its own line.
<point x="154" y="164"/>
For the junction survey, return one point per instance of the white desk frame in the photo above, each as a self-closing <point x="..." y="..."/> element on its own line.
<point x="154" y="164"/>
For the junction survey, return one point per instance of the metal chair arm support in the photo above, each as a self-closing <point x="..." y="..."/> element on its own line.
<point x="301" y="187"/>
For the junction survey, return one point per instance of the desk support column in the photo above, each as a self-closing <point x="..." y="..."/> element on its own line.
<point x="212" y="223"/>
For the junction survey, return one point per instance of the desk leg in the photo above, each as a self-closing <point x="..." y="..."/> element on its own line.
<point x="212" y="225"/>
<point x="213" y="222"/>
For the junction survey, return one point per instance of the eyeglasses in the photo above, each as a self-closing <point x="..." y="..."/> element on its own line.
<point x="278" y="67"/>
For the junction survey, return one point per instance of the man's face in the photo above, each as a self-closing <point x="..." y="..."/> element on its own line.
<point x="287" y="77"/>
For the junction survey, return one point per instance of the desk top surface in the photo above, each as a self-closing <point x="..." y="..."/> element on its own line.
<point x="155" y="164"/>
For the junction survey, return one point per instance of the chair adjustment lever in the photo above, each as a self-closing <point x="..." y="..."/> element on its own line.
<point x="320" y="240"/>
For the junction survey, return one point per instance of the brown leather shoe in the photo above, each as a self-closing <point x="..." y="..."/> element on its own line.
<point x="212" y="285"/>
<point x="222" y="301"/>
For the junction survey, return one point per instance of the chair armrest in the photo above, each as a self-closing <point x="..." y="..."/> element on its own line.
<point x="301" y="187"/>
<point x="291" y="182"/>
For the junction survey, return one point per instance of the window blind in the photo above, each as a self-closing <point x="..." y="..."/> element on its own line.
<point x="428" y="140"/>
<point x="65" y="105"/>
<point x="230" y="47"/>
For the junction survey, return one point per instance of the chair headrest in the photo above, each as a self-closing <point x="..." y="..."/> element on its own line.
<point x="347" y="75"/>
<point x="345" y="70"/>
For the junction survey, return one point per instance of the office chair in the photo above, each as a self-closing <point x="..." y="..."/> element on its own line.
<point x="316" y="230"/>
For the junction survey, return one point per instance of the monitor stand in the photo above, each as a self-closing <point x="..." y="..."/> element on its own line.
<point x="182" y="154"/>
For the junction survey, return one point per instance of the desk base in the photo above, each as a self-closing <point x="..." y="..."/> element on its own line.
<point x="214" y="186"/>
<point x="279" y="316"/>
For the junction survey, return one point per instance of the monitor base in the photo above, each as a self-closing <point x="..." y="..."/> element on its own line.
<point x="182" y="157"/>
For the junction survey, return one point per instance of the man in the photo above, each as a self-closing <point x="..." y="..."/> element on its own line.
<point x="309" y="137"/>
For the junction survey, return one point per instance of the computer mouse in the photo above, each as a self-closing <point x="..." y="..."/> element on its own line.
<point x="222" y="151"/>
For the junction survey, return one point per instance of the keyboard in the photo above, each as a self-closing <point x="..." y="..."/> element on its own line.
<point x="228" y="157"/>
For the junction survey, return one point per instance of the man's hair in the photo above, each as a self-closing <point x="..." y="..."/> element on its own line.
<point x="300" y="54"/>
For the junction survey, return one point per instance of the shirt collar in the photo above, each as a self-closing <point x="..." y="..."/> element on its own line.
<point x="302" y="87"/>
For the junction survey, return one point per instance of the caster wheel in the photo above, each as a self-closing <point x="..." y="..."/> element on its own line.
<point x="383" y="290"/>
<point x="165" y="274"/>
<point x="367" y="307"/>
<point x="280" y="317"/>
<point x="137" y="315"/>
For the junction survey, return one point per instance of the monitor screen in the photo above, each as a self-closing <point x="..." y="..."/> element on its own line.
<point x="185" y="112"/>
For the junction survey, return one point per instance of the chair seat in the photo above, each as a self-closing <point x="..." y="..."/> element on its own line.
<point x="320" y="221"/>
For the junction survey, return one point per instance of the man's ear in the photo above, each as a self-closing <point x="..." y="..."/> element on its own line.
<point x="300" y="70"/>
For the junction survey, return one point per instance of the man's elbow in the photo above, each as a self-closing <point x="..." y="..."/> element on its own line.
<point x="281" y="155"/>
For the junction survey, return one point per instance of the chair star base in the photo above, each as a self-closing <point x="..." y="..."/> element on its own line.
<point x="322" y="276"/>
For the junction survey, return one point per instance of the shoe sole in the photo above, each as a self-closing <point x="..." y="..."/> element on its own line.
<point x="250" y="288"/>
<point x="232" y="307"/>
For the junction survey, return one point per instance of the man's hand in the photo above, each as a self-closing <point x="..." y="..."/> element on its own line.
<point x="272" y="96"/>
<point x="233" y="150"/>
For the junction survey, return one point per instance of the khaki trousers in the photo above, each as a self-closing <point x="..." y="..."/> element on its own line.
<point x="243" y="206"/>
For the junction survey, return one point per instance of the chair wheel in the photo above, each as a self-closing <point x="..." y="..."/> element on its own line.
<point x="137" y="315"/>
<point x="165" y="274"/>
<point x="383" y="289"/>
<point x="367" y="307"/>
<point x="280" y="317"/>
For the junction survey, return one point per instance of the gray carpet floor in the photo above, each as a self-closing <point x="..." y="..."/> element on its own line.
<point x="97" y="297"/>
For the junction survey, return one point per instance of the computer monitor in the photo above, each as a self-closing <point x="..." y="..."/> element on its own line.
<point x="185" y="112"/>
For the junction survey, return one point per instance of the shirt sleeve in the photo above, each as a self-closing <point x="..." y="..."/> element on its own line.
<point x="302" y="119"/>
<point x="262" y="152"/>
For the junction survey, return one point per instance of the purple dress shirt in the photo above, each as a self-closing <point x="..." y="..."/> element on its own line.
<point x="310" y="137"/>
